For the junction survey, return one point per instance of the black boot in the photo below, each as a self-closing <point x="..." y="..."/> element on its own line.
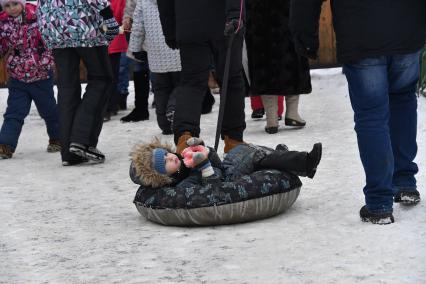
<point x="135" y="116"/>
<point x="141" y="82"/>
<point x="208" y="102"/>
<point x="258" y="113"/>
<point x="407" y="197"/>
<point x="271" y="130"/>
<point x="122" y="103"/>
<point x="299" y="163"/>
<point x="313" y="159"/>
<point x="384" y="218"/>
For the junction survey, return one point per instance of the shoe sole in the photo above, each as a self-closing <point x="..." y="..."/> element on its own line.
<point x="53" y="150"/>
<point x="378" y="221"/>
<point x="83" y="154"/>
<point x="407" y="200"/>
<point x="294" y="123"/>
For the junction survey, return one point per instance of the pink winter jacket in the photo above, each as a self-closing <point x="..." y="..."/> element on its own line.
<point x="27" y="58"/>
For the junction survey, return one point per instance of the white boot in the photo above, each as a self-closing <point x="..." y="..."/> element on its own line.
<point x="292" y="117"/>
<point x="270" y="103"/>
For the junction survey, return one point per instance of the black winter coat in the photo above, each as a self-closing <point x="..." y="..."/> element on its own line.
<point x="274" y="66"/>
<point x="196" y="20"/>
<point x="365" y="28"/>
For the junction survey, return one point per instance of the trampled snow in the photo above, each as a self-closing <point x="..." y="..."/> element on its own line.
<point x="79" y="225"/>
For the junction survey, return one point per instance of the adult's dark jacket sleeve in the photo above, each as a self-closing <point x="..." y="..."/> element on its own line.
<point x="167" y="12"/>
<point x="304" y="26"/>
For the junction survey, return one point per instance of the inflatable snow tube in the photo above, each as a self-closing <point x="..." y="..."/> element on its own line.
<point x="260" y="195"/>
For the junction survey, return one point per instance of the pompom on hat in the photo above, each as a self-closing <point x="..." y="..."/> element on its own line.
<point x="4" y="2"/>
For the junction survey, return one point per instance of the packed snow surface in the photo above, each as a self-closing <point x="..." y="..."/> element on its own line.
<point x="79" y="225"/>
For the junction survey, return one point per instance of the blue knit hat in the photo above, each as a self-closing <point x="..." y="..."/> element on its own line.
<point x="158" y="161"/>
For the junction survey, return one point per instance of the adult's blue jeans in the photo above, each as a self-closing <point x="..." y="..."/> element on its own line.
<point x="382" y="92"/>
<point x="19" y="104"/>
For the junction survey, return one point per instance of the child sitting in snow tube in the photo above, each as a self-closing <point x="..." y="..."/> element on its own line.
<point x="197" y="188"/>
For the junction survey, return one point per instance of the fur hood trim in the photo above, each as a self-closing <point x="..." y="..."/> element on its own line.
<point x="142" y="162"/>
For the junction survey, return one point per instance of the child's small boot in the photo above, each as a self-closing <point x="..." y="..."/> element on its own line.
<point x="230" y="143"/>
<point x="270" y="104"/>
<point x="181" y="144"/>
<point x="5" y="152"/>
<point x="54" y="146"/>
<point x="313" y="159"/>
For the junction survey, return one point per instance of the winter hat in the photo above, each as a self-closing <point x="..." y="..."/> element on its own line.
<point x="144" y="163"/>
<point x="158" y="161"/>
<point x="4" y="2"/>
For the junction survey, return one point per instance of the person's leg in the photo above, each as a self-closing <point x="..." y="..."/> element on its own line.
<point x="299" y="163"/>
<point x="44" y="99"/>
<point x="123" y="81"/>
<point x="369" y="94"/>
<point x="257" y="107"/>
<point x="196" y="62"/>
<point x="208" y="102"/>
<point x="113" y="100"/>
<point x="67" y="63"/>
<point x="271" y="110"/>
<point x="280" y="107"/>
<point x="162" y="86"/>
<point x="18" y="107"/>
<point x="234" y="118"/>
<point x="141" y="84"/>
<point x="88" y="119"/>
<point x="403" y="74"/>
<point x="292" y="117"/>
<point x="171" y="104"/>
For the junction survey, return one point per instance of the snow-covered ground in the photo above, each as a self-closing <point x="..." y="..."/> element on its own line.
<point x="78" y="224"/>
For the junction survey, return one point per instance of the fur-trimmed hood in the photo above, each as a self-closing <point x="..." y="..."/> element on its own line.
<point x="142" y="164"/>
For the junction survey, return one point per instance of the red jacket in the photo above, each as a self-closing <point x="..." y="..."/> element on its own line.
<point x="119" y="44"/>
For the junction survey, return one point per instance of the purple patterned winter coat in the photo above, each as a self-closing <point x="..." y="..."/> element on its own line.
<point x="27" y="58"/>
<point x="71" y="23"/>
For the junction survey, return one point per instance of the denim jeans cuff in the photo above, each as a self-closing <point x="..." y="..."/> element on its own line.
<point x="379" y="210"/>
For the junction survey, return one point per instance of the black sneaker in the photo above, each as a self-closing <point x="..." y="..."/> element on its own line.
<point x="258" y="113"/>
<point x="375" y="218"/>
<point x="87" y="152"/>
<point x="73" y="160"/>
<point x="314" y="157"/>
<point x="407" y="197"/>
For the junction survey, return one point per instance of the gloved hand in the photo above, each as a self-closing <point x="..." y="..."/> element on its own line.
<point x="307" y="47"/>
<point x="172" y="43"/>
<point x="112" y="29"/>
<point x="194" y="156"/>
<point x="194" y="141"/>
<point x="140" y="55"/>
<point x="232" y="25"/>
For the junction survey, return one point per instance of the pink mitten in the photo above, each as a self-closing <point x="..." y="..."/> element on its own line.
<point x="194" y="155"/>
